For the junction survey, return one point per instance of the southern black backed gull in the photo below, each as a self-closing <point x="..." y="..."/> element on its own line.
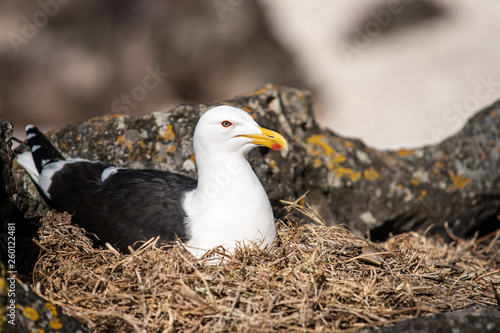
<point x="225" y="206"/>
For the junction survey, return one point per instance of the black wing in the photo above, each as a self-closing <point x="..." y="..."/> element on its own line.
<point x="128" y="206"/>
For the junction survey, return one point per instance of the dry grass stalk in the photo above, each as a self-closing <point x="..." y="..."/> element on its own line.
<point x="315" y="278"/>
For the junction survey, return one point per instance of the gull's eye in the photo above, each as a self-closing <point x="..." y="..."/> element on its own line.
<point x="226" y="123"/>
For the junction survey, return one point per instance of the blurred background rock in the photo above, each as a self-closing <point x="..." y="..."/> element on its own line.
<point x="393" y="73"/>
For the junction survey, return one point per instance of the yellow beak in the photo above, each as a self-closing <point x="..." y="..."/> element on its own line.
<point x="268" y="138"/>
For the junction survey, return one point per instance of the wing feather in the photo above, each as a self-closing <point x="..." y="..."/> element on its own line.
<point x="129" y="206"/>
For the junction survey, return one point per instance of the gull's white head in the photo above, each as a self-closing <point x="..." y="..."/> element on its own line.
<point x="231" y="130"/>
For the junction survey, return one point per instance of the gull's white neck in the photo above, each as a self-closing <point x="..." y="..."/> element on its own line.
<point x="229" y="205"/>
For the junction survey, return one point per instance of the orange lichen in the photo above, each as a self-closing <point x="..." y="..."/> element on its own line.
<point x="169" y="134"/>
<point x="316" y="163"/>
<point x="100" y="119"/>
<point x="348" y="144"/>
<point x="333" y="157"/>
<point x="415" y="181"/>
<point x="459" y="181"/>
<point x="30" y="313"/>
<point x="319" y="140"/>
<point x="141" y="148"/>
<point x="437" y="167"/>
<point x="261" y="91"/>
<point x="120" y="139"/>
<point x="348" y="172"/>
<point x="108" y="117"/>
<point x="95" y="119"/>
<point x="338" y="158"/>
<point x="422" y="195"/>
<point x="404" y="152"/>
<point x="301" y="95"/>
<point x="371" y="174"/>
<point x="55" y="323"/>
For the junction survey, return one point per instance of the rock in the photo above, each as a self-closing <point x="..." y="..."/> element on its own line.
<point x="6" y="157"/>
<point x="30" y="312"/>
<point x="472" y="319"/>
<point x="379" y="192"/>
<point x="10" y="211"/>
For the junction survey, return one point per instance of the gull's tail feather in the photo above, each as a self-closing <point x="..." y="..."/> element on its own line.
<point x="41" y="149"/>
<point x="41" y="152"/>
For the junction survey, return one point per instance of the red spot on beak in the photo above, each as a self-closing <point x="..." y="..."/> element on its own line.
<point x="276" y="146"/>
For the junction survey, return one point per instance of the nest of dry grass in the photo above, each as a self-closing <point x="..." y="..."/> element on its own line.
<point x="315" y="278"/>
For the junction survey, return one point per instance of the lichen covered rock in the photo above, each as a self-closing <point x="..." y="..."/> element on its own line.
<point x="380" y="192"/>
